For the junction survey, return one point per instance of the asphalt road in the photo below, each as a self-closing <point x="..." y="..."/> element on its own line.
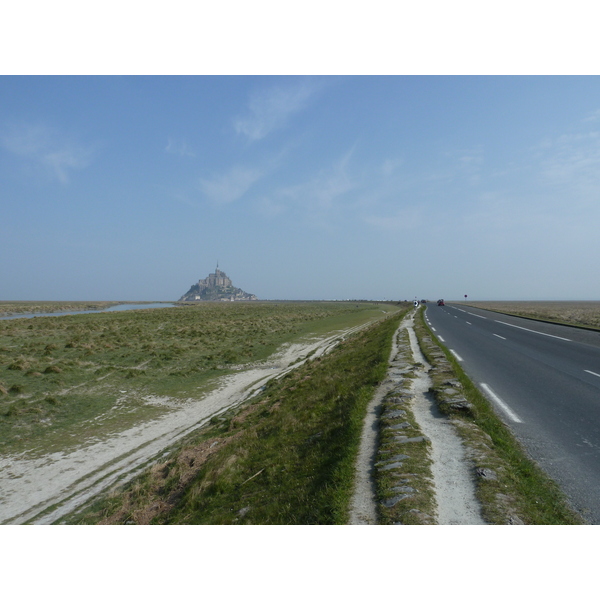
<point x="544" y="381"/>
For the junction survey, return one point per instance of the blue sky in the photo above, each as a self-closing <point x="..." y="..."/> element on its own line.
<point x="301" y="187"/>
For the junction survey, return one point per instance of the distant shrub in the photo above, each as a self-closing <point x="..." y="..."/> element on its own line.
<point x="11" y="411"/>
<point x="18" y="365"/>
<point x="229" y="356"/>
<point x="134" y="373"/>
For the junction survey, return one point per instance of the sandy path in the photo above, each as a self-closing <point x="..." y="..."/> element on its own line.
<point x="363" y="510"/>
<point x="58" y="483"/>
<point x="453" y="483"/>
<point x="452" y="474"/>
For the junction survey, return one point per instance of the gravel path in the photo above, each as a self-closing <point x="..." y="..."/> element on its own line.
<point x="453" y="482"/>
<point x="363" y="509"/>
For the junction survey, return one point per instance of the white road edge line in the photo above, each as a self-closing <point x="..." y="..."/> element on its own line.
<point x="502" y="338"/>
<point x="443" y="340"/>
<point x="592" y="373"/>
<point x="433" y="329"/>
<point x="501" y="404"/>
<point x="533" y="331"/>
<point x="458" y="358"/>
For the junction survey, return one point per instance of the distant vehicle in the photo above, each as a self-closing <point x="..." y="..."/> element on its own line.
<point x="441" y="302"/>
<point x="423" y="301"/>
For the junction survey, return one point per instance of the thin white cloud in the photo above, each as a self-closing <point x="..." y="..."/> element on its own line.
<point x="269" y="207"/>
<point x="62" y="161"/>
<point x="468" y="165"/>
<point x="319" y="194"/>
<point x="230" y="186"/>
<point x="48" y="148"/>
<point x="271" y="109"/>
<point x="391" y="166"/>
<point x="333" y="184"/>
<point x="179" y="147"/>
<point x="403" y="219"/>
<point x="592" y="117"/>
<point x="470" y="161"/>
<point x="407" y="198"/>
<point x="571" y="160"/>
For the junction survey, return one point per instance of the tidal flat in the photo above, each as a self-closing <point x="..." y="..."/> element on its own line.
<point x="8" y="309"/>
<point x="579" y="313"/>
<point x="66" y="380"/>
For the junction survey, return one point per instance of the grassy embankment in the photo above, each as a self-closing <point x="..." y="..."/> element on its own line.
<point x="286" y="458"/>
<point x="65" y="379"/>
<point x="510" y="486"/>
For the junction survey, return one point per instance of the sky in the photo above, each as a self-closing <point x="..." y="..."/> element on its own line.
<point x="300" y="187"/>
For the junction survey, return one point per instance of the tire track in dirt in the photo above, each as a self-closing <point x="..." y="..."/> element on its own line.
<point x="42" y="490"/>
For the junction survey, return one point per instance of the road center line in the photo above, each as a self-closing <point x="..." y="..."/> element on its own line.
<point x="476" y="315"/>
<point x="502" y="338"/>
<point x="458" y="358"/>
<point x="533" y="331"/>
<point x="467" y="322"/>
<point x="592" y="373"/>
<point x="501" y="404"/>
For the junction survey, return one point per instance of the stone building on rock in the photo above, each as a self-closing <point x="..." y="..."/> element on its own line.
<point x="217" y="286"/>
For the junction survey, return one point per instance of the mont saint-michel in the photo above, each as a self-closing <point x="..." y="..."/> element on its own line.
<point x="217" y="286"/>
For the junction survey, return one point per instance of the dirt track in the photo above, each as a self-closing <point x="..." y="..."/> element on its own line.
<point x="453" y="485"/>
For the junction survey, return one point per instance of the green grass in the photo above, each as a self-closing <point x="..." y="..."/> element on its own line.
<point x="66" y="378"/>
<point x="287" y="458"/>
<point x="521" y="491"/>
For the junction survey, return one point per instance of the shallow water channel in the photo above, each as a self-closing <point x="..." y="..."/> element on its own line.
<point x="116" y="308"/>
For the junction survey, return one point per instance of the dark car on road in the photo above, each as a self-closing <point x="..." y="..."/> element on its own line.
<point x="440" y="302"/>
